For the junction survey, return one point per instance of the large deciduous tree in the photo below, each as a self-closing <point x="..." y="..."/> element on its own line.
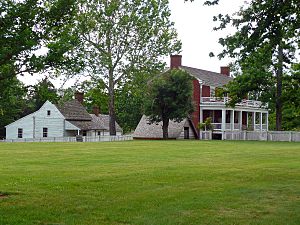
<point x="119" y="36"/>
<point x="34" y="35"/>
<point x="264" y="46"/>
<point x="29" y="25"/>
<point x="169" y="97"/>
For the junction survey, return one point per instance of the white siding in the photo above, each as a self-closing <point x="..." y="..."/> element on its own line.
<point x="34" y="123"/>
<point x="70" y="126"/>
<point x="25" y="123"/>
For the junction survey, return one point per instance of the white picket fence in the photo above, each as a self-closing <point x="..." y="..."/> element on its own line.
<point x="73" y="139"/>
<point x="291" y="136"/>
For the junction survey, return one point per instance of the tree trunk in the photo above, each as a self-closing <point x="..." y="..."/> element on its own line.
<point x="112" y="114"/>
<point x="279" y="74"/>
<point x="165" y="128"/>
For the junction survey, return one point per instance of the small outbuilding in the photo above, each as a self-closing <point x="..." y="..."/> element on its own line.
<point x="182" y="130"/>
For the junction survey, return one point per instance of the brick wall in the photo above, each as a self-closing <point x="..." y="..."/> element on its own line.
<point x="205" y="91"/>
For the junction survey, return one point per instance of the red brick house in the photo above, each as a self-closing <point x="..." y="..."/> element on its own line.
<point x="247" y="115"/>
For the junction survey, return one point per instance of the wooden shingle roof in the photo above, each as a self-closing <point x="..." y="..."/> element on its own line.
<point x="103" y="121"/>
<point x="73" y="110"/>
<point x="154" y="131"/>
<point x="207" y="77"/>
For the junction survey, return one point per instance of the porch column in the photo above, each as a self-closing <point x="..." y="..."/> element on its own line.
<point x="77" y="132"/>
<point x="201" y="115"/>
<point x="260" y="121"/>
<point x="253" y="120"/>
<point x="267" y="120"/>
<point x="241" y="119"/>
<point x="232" y="119"/>
<point x="223" y="119"/>
<point x="247" y="120"/>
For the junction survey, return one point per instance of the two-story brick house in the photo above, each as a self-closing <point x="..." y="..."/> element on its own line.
<point x="247" y="115"/>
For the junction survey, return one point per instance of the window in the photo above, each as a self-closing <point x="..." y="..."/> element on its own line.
<point x="20" y="133"/>
<point x="45" y="132"/>
<point x="84" y="133"/>
<point x="48" y="113"/>
<point x="99" y="133"/>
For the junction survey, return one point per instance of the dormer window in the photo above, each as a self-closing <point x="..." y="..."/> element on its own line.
<point x="48" y="112"/>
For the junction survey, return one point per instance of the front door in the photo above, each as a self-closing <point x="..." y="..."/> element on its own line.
<point x="186" y="133"/>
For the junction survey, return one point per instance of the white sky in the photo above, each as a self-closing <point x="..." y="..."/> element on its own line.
<point x="194" y="25"/>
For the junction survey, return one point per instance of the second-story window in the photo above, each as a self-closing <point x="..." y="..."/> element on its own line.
<point x="48" y="112"/>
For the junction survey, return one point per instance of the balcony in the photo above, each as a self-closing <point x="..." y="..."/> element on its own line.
<point x="217" y="101"/>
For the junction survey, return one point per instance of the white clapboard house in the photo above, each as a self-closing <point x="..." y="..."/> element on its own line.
<point x="66" y="120"/>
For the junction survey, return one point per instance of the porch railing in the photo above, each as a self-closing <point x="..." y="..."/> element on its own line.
<point x="237" y="126"/>
<point x="225" y="100"/>
<point x="292" y="136"/>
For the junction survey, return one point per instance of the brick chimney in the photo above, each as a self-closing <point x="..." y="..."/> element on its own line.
<point x="79" y="96"/>
<point x="175" y="61"/>
<point x="96" y="110"/>
<point x="225" y="70"/>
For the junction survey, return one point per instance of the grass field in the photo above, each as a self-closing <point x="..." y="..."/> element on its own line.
<point x="150" y="182"/>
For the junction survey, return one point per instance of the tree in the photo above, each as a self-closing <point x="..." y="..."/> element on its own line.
<point x="264" y="45"/>
<point x="12" y="102"/>
<point x="130" y="99"/>
<point x="169" y="97"/>
<point x="41" y="92"/>
<point x="119" y="36"/>
<point x="30" y="25"/>
<point x="95" y="94"/>
<point x="291" y="98"/>
<point x="28" y="28"/>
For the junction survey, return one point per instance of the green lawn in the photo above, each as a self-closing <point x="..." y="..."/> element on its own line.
<point x="150" y="182"/>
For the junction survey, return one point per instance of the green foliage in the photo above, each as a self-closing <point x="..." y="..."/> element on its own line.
<point x="207" y="125"/>
<point x="213" y="2"/>
<point x="31" y="25"/>
<point x="291" y="98"/>
<point x="118" y="37"/>
<point x="130" y="98"/>
<point x="264" y="47"/>
<point x="41" y="92"/>
<point x="169" y="97"/>
<point x="12" y="102"/>
<point x="95" y="94"/>
<point x="34" y="35"/>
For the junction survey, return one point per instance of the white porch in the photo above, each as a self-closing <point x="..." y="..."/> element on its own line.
<point x="227" y="119"/>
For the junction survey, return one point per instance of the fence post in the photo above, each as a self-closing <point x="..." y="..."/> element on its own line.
<point x="290" y="138"/>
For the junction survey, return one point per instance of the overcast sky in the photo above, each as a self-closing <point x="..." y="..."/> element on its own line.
<point x="194" y="25"/>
